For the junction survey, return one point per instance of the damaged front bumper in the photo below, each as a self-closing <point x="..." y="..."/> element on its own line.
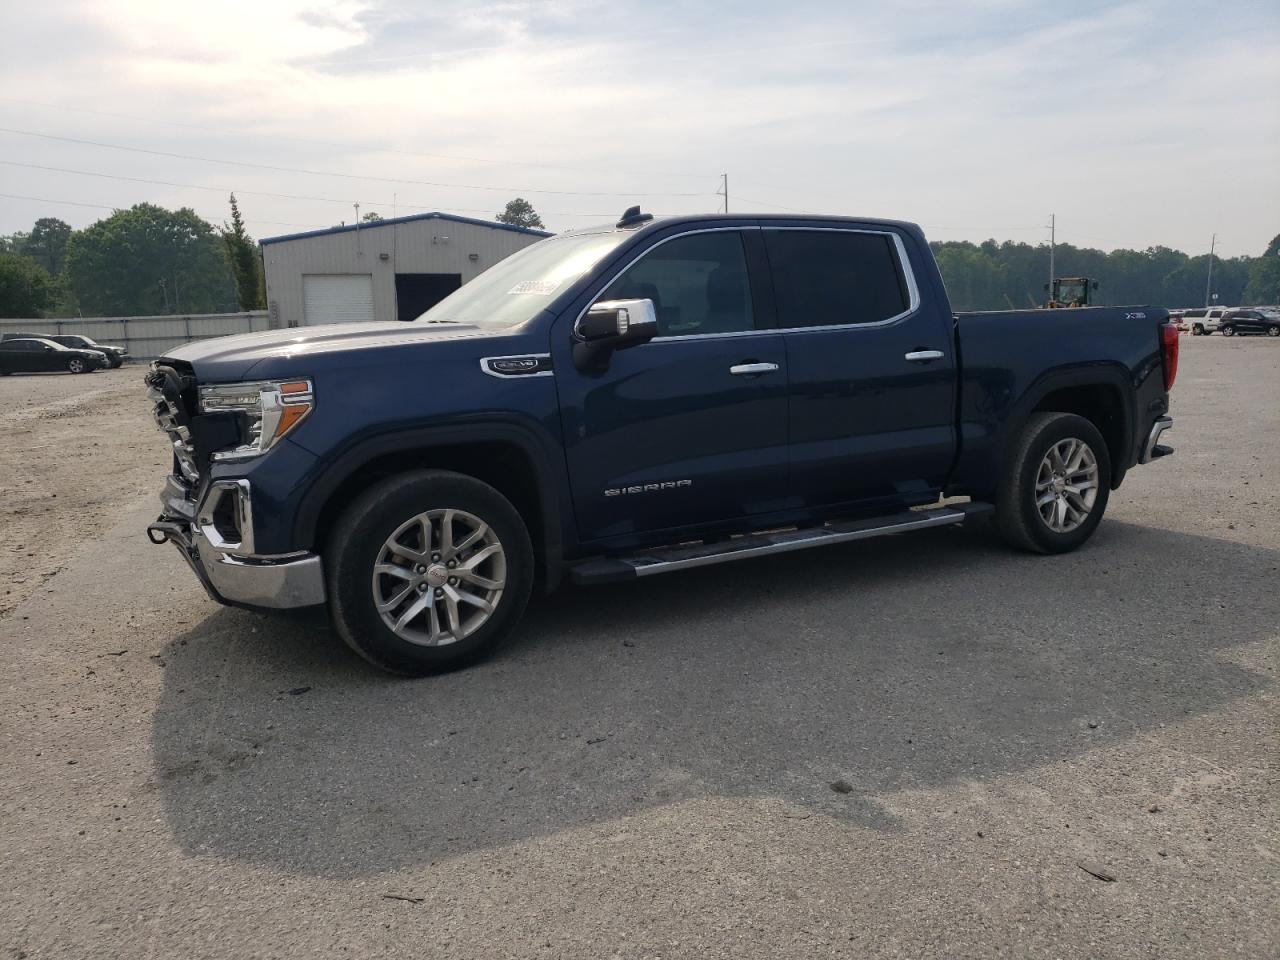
<point x="214" y="533"/>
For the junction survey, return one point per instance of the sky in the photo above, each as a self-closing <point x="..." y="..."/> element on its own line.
<point x="1135" y="124"/>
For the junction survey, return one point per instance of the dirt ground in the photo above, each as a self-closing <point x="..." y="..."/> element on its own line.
<point x="918" y="746"/>
<point x="74" y="450"/>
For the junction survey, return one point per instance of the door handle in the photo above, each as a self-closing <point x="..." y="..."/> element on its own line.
<point x="923" y="356"/>
<point x="749" y="369"/>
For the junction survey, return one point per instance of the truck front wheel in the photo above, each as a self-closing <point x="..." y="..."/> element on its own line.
<point x="428" y="571"/>
<point x="1055" y="485"/>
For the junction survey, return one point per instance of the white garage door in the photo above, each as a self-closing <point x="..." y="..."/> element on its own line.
<point x="337" y="298"/>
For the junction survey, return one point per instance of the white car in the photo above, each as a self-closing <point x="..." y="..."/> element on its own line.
<point x="1202" y="321"/>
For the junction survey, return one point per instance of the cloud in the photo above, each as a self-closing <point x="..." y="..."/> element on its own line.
<point x="976" y="119"/>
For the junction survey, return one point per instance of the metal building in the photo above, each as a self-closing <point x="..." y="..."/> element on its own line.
<point x="383" y="270"/>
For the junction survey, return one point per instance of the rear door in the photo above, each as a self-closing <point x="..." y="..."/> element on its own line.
<point x="1249" y="321"/>
<point x="871" y="367"/>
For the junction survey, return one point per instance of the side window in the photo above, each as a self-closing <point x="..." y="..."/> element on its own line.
<point x="698" y="284"/>
<point x="822" y="278"/>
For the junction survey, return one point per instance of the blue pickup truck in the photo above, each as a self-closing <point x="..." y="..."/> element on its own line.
<point x="634" y="399"/>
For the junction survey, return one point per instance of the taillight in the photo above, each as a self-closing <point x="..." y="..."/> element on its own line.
<point x="1169" y="345"/>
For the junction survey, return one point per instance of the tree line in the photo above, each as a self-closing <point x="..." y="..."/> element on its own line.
<point x="1009" y="275"/>
<point x="148" y="260"/>
<point x="142" y="261"/>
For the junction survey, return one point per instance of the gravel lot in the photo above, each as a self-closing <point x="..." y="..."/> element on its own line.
<point x="647" y="772"/>
<point x="74" y="451"/>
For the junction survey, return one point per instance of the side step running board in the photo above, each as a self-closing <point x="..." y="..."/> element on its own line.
<point x="667" y="559"/>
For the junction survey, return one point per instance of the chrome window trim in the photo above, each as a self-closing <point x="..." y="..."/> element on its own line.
<point x="648" y="250"/>
<point x="908" y="274"/>
<point x="913" y="289"/>
<point x="484" y="366"/>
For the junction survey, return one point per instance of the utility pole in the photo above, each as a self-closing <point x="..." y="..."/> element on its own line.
<point x="724" y="190"/>
<point x="1208" y="283"/>
<point x="1053" y="227"/>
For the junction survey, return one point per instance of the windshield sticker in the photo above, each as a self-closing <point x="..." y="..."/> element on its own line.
<point x="539" y="288"/>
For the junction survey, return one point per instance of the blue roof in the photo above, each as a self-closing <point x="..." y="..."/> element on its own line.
<point x="435" y="215"/>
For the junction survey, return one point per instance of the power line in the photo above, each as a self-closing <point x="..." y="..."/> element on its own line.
<point x="408" y="204"/>
<point x="776" y="206"/>
<point x="105" y="206"/>
<point x="327" y="173"/>
<point x="330" y="143"/>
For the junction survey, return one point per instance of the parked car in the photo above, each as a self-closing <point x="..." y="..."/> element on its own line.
<point x="33" y="354"/>
<point x="636" y="399"/>
<point x="115" y="355"/>
<point x="1250" y="321"/>
<point x="1203" y="321"/>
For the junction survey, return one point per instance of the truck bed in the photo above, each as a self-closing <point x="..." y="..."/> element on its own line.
<point x="1013" y="361"/>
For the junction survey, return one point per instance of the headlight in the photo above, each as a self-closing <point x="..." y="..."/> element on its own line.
<point x="270" y="408"/>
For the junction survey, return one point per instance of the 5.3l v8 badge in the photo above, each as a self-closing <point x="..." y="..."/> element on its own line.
<point x="528" y="365"/>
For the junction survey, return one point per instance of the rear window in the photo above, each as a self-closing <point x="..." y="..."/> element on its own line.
<point x="835" y="277"/>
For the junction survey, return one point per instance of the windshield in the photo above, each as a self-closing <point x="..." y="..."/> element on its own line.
<point x="515" y="289"/>
<point x="1070" y="292"/>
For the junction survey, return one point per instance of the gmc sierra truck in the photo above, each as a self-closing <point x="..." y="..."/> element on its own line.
<point x="635" y="399"/>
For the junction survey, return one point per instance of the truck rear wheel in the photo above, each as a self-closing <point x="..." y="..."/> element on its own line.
<point x="428" y="571"/>
<point x="1055" y="485"/>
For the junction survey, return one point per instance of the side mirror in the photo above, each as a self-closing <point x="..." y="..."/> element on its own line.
<point x="612" y="325"/>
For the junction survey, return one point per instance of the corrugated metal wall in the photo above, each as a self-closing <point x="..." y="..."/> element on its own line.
<point x="146" y="337"/>
<point x="419" y="246"/>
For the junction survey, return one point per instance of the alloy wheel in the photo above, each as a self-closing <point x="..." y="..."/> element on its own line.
<point x="1066" y="485"/>
<point x="439" y="577"/>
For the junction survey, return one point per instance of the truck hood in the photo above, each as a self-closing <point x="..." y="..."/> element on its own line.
<point x="233" y="358"/>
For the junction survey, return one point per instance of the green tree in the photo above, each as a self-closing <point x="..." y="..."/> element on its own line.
<point x="371" y="217"/>
<point x="1264" y="277"/>
<point x="246" y="265"/>
<point x="520" y="213"/>
<point x="14" y="242"/>
<point x="26" y="288"/>
<point x="47" y="244"/>
<point x="149" y="260"/>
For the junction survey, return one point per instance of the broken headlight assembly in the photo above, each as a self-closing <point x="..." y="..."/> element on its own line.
<point x="268" y="410"/>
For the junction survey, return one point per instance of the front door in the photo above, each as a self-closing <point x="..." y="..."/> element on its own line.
<point x="691" y="427"/>
<point x="872" y="371"/>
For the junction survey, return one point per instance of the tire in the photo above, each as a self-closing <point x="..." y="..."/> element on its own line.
<point x="1018" y="516"/>
<point x="76" y="365"/>
<point x="1273" y="331"/>
<point x="1228" y="331"/>
<point x="392" y="511"/>
<point x="1197" y="330"/>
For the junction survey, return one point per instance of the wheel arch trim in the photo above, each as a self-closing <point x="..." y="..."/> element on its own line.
<point x="549" y="546"/>
<point x="1113" y="377"/>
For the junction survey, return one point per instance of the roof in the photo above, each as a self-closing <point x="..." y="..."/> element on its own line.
<point x="413" y="218"/>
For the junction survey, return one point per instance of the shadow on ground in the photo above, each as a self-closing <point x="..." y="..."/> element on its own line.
<point x="910" y="661"/>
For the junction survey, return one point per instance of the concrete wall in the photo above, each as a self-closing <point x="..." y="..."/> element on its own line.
<point x="146" y="337"/>
<point x="433" y="245"/>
